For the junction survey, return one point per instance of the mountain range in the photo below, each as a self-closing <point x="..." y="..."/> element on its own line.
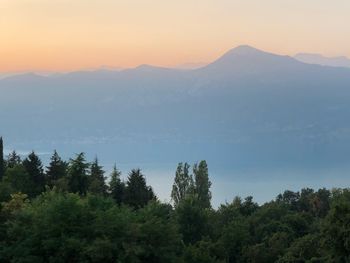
<point x="318" y="59"/>
<point x="253" y="115"/>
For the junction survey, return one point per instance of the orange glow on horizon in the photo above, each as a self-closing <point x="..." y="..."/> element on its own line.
<point x="65" y="35"/>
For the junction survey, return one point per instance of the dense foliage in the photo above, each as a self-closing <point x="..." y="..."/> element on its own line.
<point x="67" y="212"/>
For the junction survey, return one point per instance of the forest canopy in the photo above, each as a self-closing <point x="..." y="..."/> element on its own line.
<point x="71" y="211"/>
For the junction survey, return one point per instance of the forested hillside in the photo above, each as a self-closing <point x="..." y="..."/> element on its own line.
<point x="68" y="211"/>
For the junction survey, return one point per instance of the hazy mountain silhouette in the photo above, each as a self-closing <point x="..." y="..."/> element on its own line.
<point x="249" y="108"/>
<point x="322" y="60"/>
<point x="189" y="66"/>
<point x="243" y="59"/>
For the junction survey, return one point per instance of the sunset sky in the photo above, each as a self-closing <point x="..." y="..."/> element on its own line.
<point x="64" y="35"/>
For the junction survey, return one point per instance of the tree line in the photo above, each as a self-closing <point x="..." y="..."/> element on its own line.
<point x="68" y="212"/>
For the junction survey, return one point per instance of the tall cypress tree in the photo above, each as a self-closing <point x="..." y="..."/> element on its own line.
<point x="202" y="184"/>
<point x="183" y="183"/>
<point x="2" y="162"/>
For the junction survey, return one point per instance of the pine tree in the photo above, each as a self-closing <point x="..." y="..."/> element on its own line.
<point x="13" y="159"/>
<point x="137" y="193"/>
<point x="2" y="161"/>
<point x="33" y="166"/>
<point x="202" y="184"/>
<point x="116" y="186"/>
<point x="97" y="183"/>
<point x="56" y="170"/>
<point x="183" y="183"/>
<point x="77" y="174"/>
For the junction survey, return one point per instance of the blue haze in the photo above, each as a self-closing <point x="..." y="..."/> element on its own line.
<point x="263" y="122"/>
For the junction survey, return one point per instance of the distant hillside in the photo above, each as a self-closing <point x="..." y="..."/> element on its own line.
<point x="248" y="100"/>
<point x="322" y="60"/>
<point x="248" y="109"/>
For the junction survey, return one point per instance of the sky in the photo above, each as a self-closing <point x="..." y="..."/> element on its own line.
<point x="66" y="35"/>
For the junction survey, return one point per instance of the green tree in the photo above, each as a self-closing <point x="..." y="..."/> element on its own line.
<point x="289" y="198"/>
<point x="97" y="184"/>
<point x="18" y="179"/>
<point x="304" y="249"/>
<point x="203" y="251"/>
<point x="77" y="174"/>
<point x="65" y="227"/>
<point x="33" y="166"/>
<point x="56" y="170"/>
<point x="13" y="159"/>
<point x="202" y="184"/>
<point x="5" y="190"/>
<point x="16" y="203"/>
<point x="116" y="186"/>
<point x="137" y="193"/>
<point x="183" y="183"/>
<point x="55" y="219"/>
<point x="336" y="229"/>
<point x="193" y="220"/>
<point x="248" y="207"/>
<point x="2" y="161"/>
<point x="304" y="204"/>
<point x="158" y="235"/>
<point x="321" y="202"/>
<point x="233" y="238"/>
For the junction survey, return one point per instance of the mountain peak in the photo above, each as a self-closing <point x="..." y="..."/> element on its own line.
<point x="246" y="59"/>
<point x="244" y="50"/>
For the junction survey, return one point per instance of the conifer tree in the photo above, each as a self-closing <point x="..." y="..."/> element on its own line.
<point x="33" y="166"/>
<point x="56" y="170"/>
<point x="116" y="186"/>
<point x="2" y="162"/>
<point x="97" y="184"/>
<point x="137" y="193"/>
<point x="77" y="174"/>
<point x="202" y="184"/>
<point x="13" y="159"/>
<point x="183" y="183"/>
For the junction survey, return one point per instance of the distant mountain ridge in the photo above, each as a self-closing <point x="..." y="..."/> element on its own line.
<point x="245" y="59"/>
<point x="248" y="53"/>
<point x="319" y="59"/>
<point x="247" y="109"/>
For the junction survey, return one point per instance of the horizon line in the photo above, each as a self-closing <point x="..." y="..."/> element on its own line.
<point x="180" y="66"/>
